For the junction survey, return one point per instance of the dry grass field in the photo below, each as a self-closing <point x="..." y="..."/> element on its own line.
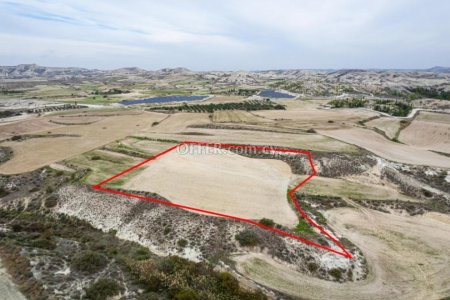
<point x="377" y="144"/>
<point x="301" y="141"/>
<point x="220" y="181"/>
<point x="236" y="116"/>
<point x="179" y="122"/>
<point x="341" y="187"/>
<point x="430" y="131"/>
<point x="103" y="164"/>
<point x="312" y="117"/>
<point x="390" y="126"/>
<point x="34" y="153"/>
<point x="407" y="256"/>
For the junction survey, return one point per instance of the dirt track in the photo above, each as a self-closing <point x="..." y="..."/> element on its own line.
<point x="408" y="259"/>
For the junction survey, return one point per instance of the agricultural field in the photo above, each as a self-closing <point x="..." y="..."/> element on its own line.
<point x="235" y="116"/>
<point x="380" y="187"/>
<point x="379" y="145"/>
<point x="213" y="179"/>
<point x="388" y="126"/>
<point x="429" y="131"/>
<point x="64" y="142"/>
<point x="393" y="244"/>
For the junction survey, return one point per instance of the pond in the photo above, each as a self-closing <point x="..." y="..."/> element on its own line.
<point x="163" y="99"/>
<point x="274" y="94"/>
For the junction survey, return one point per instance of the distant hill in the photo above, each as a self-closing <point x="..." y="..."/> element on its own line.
<point x="438" y="69"/>
<point x="33" y="71"/>
<point x="36" y="71"/>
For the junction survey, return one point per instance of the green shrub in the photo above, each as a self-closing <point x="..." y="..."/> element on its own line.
<point x="43" y="243"/>
<point x="89" y="262"/>
<point x="303" y="226"/>
<point x="51" y="201"/>
<point x="336" y="273"/>
<point x="102" y="289"/>
<point x="182" y="243"/>
<point x="96" y="157"/>
<point x="247" y="238"/>
<point x="3" y="192"/>
<point x="141" y="253"/>
<point x="187" y="294"/>
<point x="312" y="266"/>
<point x="228" y="282"/>
<point x="267" y="222"/>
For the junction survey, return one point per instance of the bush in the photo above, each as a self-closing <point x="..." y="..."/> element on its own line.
<point x="89" y="262"/>
<point x="141" y="253"/>
<point x="43" y="243"/>
<point x="303" y="226"/>
<point x="336" y="273"/>
<point x="96" y="157"/>
<point x="247" y="238"/>
<point x="312" y="266"/>
<point x="182" y="243"/>
<point x="186" y="295"/>
<point x="3" y="192"/>
<point x="167" y="230"/>
<point x="267" y="222"/>
<point x="227" y="282"/>
<point x="102" y="289"/>
<point x="51" y="201"/>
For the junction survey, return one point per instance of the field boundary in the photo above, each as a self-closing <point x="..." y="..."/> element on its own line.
<point x="291" y="192"/>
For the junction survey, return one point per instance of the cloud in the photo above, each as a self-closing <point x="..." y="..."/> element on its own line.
<point x="232" y="34"/>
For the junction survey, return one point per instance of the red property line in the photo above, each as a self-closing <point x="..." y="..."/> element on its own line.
<point x="344" y="252"/>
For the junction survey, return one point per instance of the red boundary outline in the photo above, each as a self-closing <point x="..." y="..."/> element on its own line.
<point x="344" y="252"/>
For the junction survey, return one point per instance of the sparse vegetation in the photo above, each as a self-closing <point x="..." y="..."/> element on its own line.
<point x="429" y="92"/>
<point x="247" y="238"/>
<point x="249" y="105"/>
<point x="102" y="289"/>
<point x="89" y="262"/>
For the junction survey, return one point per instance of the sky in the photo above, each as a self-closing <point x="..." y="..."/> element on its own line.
<point x="205" y="35"/>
